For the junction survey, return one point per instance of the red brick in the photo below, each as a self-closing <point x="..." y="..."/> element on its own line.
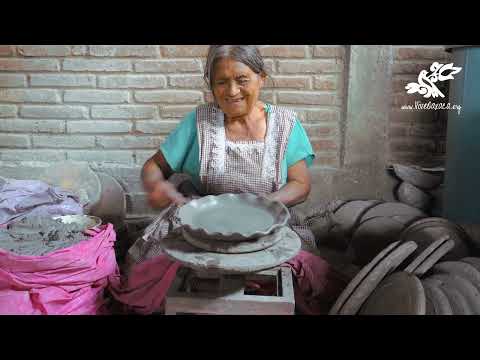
<point x="321" y="130"/>
<point x="323" y="145"/>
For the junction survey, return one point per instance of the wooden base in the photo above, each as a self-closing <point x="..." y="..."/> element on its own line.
<point x="206" y="294"/>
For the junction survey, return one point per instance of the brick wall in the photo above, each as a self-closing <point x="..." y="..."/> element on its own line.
<point x="416" y="137"/>
<point x="113" y="105"/>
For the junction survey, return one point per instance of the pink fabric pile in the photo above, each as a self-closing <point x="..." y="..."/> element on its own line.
<point x="68" y="281"/>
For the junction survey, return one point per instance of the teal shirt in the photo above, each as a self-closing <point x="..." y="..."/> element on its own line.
<point x="181" y="149"/>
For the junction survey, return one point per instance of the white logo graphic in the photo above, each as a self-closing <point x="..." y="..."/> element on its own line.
<point x="426" y="82"/>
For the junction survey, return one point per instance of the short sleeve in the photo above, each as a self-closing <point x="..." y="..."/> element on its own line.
<point x="179" y="142"/>
<point x="299" y="147"/>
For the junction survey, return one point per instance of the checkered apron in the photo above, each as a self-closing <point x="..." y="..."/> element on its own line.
<point x="232" y="167"/>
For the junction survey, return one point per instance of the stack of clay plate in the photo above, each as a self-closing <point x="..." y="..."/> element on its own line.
<point x="453" y="287"/>
<point x="365" y="227"/>
<point x="415" y="186"/>
<point x="444" y="288"/>
<point x="408" y="278"/>
<point x="427" y="233"/>
<point x="374" y="276"/>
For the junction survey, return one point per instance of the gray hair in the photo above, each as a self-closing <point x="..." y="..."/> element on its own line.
<point x="246" y="54"/>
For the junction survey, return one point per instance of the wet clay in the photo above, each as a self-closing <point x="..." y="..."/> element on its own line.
<point x="38" y="236"/>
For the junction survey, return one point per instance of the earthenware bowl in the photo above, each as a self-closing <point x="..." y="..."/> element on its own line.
<point x="417" y="177"/>
<point x="232" y="217"/>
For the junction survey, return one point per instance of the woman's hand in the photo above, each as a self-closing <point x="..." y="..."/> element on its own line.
<point x="164" y="193"/>
<point x="161" y="192"/>
<point x="297" y="188"/>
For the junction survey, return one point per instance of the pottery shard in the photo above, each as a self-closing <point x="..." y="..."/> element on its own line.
<point x="411" y="195"/>
<point x="417" y="177"/>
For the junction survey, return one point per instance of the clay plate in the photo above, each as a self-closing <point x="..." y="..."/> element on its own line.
<point x="398" y="294"/>
<point x="386" y="266"/>
<point x="232" y="217"/>
<point x="425" y="231"/>
<point x="437" y="298"/>
<point x="457" y="292"/>
<point x="233" y="247"/>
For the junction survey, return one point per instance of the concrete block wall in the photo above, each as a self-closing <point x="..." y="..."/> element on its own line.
<point x="112" y="105"/>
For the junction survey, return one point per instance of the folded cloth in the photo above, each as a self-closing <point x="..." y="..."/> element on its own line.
<point x="21" y="198"/>
<point x="146" y="286"/>
<point x="316" y="284"/>
<point x="69" y="281"/>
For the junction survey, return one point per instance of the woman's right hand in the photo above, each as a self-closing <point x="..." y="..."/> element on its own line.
<point x="164" y="193"/>
<point x="161" y="192"/>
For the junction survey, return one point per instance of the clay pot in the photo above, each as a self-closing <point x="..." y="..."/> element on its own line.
<point x="411" y="195"/>
<point x="417" y="177"/>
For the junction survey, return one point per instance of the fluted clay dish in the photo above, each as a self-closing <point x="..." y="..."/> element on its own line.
<point x="232" y="217"/>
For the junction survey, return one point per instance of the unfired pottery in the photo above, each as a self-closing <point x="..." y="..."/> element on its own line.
<point x="417" y="177"/>
<point x="411" y="195"/>
<point x="398" y="294"/>
<point x="232" y="217"/>
<point x="233" y="247"/>
<point x="438" y="299"/>
<point x="387" y="265"/>
<point x="175" y="246"/>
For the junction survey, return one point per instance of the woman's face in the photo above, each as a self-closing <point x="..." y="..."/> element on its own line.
<point x="236" y="87"/>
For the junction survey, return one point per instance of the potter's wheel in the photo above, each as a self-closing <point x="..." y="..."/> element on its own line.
<point x="284" y="244"/>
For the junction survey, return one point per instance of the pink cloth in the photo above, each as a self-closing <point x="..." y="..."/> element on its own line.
<point x="144" y="290"/>
<point x="68" y="281"/>
<point x="316" y="284"/>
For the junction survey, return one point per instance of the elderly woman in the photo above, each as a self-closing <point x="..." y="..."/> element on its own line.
<point x="237" y="144"/>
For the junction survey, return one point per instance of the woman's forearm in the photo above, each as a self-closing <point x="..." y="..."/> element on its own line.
<point x="293" y="193"/>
